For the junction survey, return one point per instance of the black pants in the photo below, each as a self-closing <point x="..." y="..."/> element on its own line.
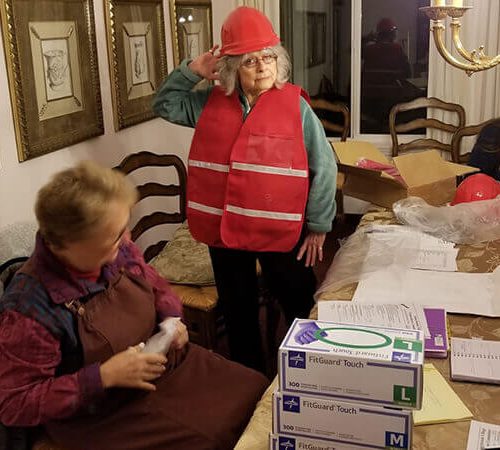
<point x="287" y="279"/>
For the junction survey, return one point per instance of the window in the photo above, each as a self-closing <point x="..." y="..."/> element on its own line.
<point x="369" y="54"/>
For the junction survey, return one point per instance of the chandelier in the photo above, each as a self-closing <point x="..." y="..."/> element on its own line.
<point x="473" y="61"/>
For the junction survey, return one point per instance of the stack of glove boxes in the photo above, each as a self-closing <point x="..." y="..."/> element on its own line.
<point x="346" y="387"/>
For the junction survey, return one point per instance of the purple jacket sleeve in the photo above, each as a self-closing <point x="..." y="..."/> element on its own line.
<point x="30" y="393"/>
<point x="167" y="302"/>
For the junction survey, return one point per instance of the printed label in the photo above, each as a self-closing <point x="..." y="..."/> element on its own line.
<point x="297" y="360"/>
<point x="291" y="403"/>
<point x="395" y="440"/>
<point x="286" y="443"/>
<point x="405" y="395"/>
<point x="408" y="344"/>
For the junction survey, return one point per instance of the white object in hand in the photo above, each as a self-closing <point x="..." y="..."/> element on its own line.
<point x="160" y="342"/>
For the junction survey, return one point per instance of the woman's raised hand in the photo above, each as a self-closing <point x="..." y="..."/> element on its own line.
<point x="133" y="369"/>
<point x="205" y="64"/>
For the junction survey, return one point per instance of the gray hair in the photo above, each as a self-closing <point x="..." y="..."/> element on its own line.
<point x="228" y="67"/>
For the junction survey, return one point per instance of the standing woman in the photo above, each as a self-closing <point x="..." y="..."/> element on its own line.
<point x="71" y="325"/>
<point x="261" y="174"/>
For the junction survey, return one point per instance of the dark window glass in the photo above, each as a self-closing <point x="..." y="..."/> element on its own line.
<point x="394" y="59"/>
<point x="317" y="35"/>
<point x="394" y="54"/>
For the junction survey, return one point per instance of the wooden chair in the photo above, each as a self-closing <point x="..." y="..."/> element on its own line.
<point x="397" y="127"/>
<point x="323" y="109"/>
<point x="466" y="131"/>
<point x="200" y="310"/>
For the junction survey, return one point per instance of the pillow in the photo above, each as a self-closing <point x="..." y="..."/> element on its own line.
<point x="184" y="260"/>
<point x="8" y="269"/>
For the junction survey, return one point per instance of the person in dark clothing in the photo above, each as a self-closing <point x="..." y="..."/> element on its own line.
<point x="384" y="72"/>
<point x="485" y="154"/>
<point x="385" y="55"/>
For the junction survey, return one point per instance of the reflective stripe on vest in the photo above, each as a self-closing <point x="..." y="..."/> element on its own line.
<point x="209" y="165"/>
<point x="269" y="169"/>
<point x="248" y="181"/>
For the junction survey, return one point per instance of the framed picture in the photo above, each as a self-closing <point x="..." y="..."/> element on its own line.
<point x="51" y="59"/>
<point x="137" y="57"/>
<point x="191" y="22"/>
<point x="316" y="32"/>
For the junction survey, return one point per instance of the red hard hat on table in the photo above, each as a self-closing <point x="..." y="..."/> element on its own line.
<point x="246" y="30"/>
<point x="476" y="187"/>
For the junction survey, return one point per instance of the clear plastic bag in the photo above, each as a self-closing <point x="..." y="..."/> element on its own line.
<point x="464" y="223"/>
<point x="366" y="251"/>
<point x="160" y="342"/>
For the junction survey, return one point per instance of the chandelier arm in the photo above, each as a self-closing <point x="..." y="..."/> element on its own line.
<point x="455" y="34"/>
<point x="475" y="60"/>
<point x="471" y="67"/>
<point x="474" y="56"/>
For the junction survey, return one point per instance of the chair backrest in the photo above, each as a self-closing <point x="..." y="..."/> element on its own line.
<point x="397" y="127"/>
<point x="468" y="131"/>
<point x="146" y="159"/>
<point x="328" y="111"/>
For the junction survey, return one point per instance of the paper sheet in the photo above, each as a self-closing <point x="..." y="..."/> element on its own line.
<point x="430" y="253"/>
<point x="440" y="403"/>
<point x="483" y="435"/>
<point x="475" y="360"/>
<point x="468" y="293"/>
<point x="410" y="317"/>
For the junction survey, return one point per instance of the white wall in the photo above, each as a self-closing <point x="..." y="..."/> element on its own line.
<point x="19" y="182"/>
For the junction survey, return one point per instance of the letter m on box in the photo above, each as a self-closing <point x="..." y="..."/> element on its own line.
<point x="395" y="440"/>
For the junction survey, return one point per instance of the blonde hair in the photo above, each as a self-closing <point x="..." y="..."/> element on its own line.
<point x="228" y="67"/>
<point x="75" y="201"/>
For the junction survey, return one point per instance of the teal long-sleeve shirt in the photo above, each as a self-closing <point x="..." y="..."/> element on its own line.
<point x="177" y="102"/>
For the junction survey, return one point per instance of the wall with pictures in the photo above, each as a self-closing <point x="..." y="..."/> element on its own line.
<point x="19" y="182"/>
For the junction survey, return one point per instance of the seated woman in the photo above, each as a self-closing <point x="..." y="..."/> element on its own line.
<point x="71" y="326"/>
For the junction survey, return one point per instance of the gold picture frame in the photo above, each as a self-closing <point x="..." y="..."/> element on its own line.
<point x="51" y="59"/>
<point x="191" y="22"/>
<point x="137" y="57"/>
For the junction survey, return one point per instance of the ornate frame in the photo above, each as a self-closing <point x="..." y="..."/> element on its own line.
<point x="137" y="57"/>
<point x="195" y="35"/>
<point x="51" y="60"/>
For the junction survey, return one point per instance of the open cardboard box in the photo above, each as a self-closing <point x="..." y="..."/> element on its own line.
<point x="425" y="173"/>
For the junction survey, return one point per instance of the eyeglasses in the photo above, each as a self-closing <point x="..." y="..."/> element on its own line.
<point x="254" y="60"/>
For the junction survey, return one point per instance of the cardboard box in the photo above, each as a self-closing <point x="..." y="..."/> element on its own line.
<point x="373" y="365"/>
<point x="425" y="173"/>
<point x="355" y="424"/>
<point x="287" y="442"/>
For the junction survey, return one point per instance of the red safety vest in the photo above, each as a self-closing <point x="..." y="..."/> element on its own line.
<point x="248" y="180"/>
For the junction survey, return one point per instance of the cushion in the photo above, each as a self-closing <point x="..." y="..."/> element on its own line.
<point x="17" y="241"/>
<point x="184" y="260"/>
<point x="8" y="269"/>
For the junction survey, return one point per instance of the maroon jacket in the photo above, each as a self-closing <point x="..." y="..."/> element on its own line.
<point x="35" y="328"/>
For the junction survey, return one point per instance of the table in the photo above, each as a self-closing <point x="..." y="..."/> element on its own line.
<point x="482" y="399"/>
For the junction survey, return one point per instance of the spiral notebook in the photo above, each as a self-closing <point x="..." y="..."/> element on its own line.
<point x="475" y="360"/>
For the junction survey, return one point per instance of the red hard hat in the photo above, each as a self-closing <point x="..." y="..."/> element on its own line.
<point x="476" y="187"/>
<point x="386" y="25"/>
<point x="246" y="30"/>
